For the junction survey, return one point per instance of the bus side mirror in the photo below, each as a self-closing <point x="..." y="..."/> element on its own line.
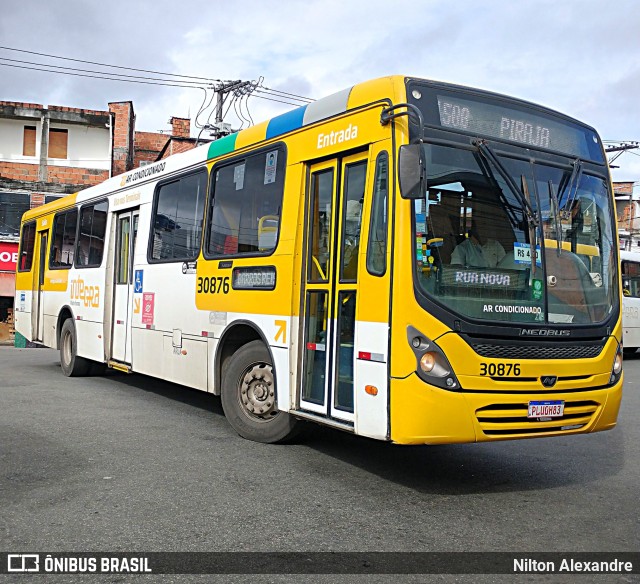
<point x="412" y="164"/>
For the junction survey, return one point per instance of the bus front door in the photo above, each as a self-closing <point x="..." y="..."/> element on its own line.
<point x="37" y="311"/>
<point x="122" y="314"/>
<point x="335" y="195"/>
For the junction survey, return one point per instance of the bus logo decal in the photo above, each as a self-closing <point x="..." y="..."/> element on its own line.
<point x="83" y="294"/>
<point x="549" y="380"/>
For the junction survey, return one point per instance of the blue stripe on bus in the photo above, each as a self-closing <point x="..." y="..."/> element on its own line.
<point x="286" y="122"/>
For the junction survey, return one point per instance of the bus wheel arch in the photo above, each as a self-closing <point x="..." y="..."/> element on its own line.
<point x="232" y="339"/>
<point x="65" y="313"/>
<point x="248" y="387"/>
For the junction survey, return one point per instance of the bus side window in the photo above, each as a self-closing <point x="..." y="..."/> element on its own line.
<point x="377" y="245"/>
<point x="27" y="243"/>
<point x="177" y="218"/>
<point x="93" y="225"/>
<point x="246" y="205"/>
<point x="64" y="239"/>
<point x="354" y="184"/>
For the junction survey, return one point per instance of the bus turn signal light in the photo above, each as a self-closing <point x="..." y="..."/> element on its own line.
<point x="371" y="389"/>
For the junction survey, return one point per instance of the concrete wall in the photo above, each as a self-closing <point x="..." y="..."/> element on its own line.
<point x="87" y="147"/>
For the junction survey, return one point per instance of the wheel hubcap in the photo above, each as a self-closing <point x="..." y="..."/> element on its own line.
<point x="257" y="392"/>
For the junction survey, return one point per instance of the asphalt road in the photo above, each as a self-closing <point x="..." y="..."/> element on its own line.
<point x="126" y="463"/>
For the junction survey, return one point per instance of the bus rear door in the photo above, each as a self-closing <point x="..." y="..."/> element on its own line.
<point x="123" y="289"/>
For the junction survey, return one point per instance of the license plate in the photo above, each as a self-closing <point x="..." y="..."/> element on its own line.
<point x="546" y="409"/>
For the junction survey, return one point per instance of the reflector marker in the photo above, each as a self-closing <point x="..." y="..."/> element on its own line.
<point x="371" y="389"/>
<point x="366" y="356"/>
<point x="315" y="347"/>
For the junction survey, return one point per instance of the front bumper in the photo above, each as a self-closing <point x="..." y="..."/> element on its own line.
<point x="424" y="414"/>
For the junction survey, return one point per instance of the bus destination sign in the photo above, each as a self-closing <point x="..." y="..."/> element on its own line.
<point x="507" y="123"/>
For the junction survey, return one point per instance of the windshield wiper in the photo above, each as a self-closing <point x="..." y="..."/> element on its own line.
<point x="533" y="231"/>
<point x="556" y="216"/>
<point x="521" y="194"/>
<point x="489" y="155"/>
<point x="571" y="187"/>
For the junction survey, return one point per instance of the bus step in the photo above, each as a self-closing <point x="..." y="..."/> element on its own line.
<point x="119" y="366"/>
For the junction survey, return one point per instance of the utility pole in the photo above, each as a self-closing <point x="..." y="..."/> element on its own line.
<point x="620" y="147"/>
<point x="238" y="87"/>
<point x="631" y="214"/>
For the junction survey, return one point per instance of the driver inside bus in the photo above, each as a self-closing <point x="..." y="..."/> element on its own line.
<point x="477" y="253"/>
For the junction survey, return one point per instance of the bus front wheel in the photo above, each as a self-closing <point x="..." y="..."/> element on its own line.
<point x="249" y="396"/>
<point x="72" y="365"/>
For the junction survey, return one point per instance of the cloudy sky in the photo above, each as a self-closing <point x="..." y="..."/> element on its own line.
<point x="581" y="57"/>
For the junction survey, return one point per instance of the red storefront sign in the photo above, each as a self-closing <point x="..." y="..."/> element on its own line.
<point x="8" y="256"/>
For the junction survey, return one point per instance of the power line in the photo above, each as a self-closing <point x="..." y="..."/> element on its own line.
<point x="206" y="79"/>
<point x="108" y="65"/>
<point x="196" y="83"/>
<point x="284" y="93"/>
<point x="170" y="84"/>
<point x="277" y="100"/>
<point x="144" y="80"/>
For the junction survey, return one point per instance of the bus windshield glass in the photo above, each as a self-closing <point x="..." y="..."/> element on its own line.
<point x="475" y="239"/>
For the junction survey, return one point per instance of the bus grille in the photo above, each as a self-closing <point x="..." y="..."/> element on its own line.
<point x="511" y="419"/>
<point x="549" y="351"/>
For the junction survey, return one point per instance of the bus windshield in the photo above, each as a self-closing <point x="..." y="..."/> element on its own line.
<point x="482" y="217"/>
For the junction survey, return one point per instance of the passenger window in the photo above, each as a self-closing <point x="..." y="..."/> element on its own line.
<point x="377" y="247"/>
<point x="27" y="242"/>
<point x="246" y="205"/>
<point x="177" y="220"/>
<point x="64" y="240"/>
<point x="354" y="183"/>
<point x="93" y="226"/>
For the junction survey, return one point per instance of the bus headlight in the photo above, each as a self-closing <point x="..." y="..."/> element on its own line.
<point x="616" y="370"/>
<point x="427" y="362"/>
<point x="432" y="366"/>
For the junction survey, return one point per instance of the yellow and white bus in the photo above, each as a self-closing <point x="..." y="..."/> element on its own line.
<point x="630" y="263"/>
<point x="404" y="260"/>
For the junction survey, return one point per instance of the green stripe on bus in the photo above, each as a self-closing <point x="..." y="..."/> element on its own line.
<point x="222" y="146"/>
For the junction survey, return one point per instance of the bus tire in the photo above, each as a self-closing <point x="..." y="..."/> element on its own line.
<point x="72" y="365"/>
<point x="249" y="396"/>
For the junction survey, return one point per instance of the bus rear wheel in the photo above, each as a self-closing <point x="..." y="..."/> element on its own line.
<point x="72" y="365"/>
<point x="249" y="396"/>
